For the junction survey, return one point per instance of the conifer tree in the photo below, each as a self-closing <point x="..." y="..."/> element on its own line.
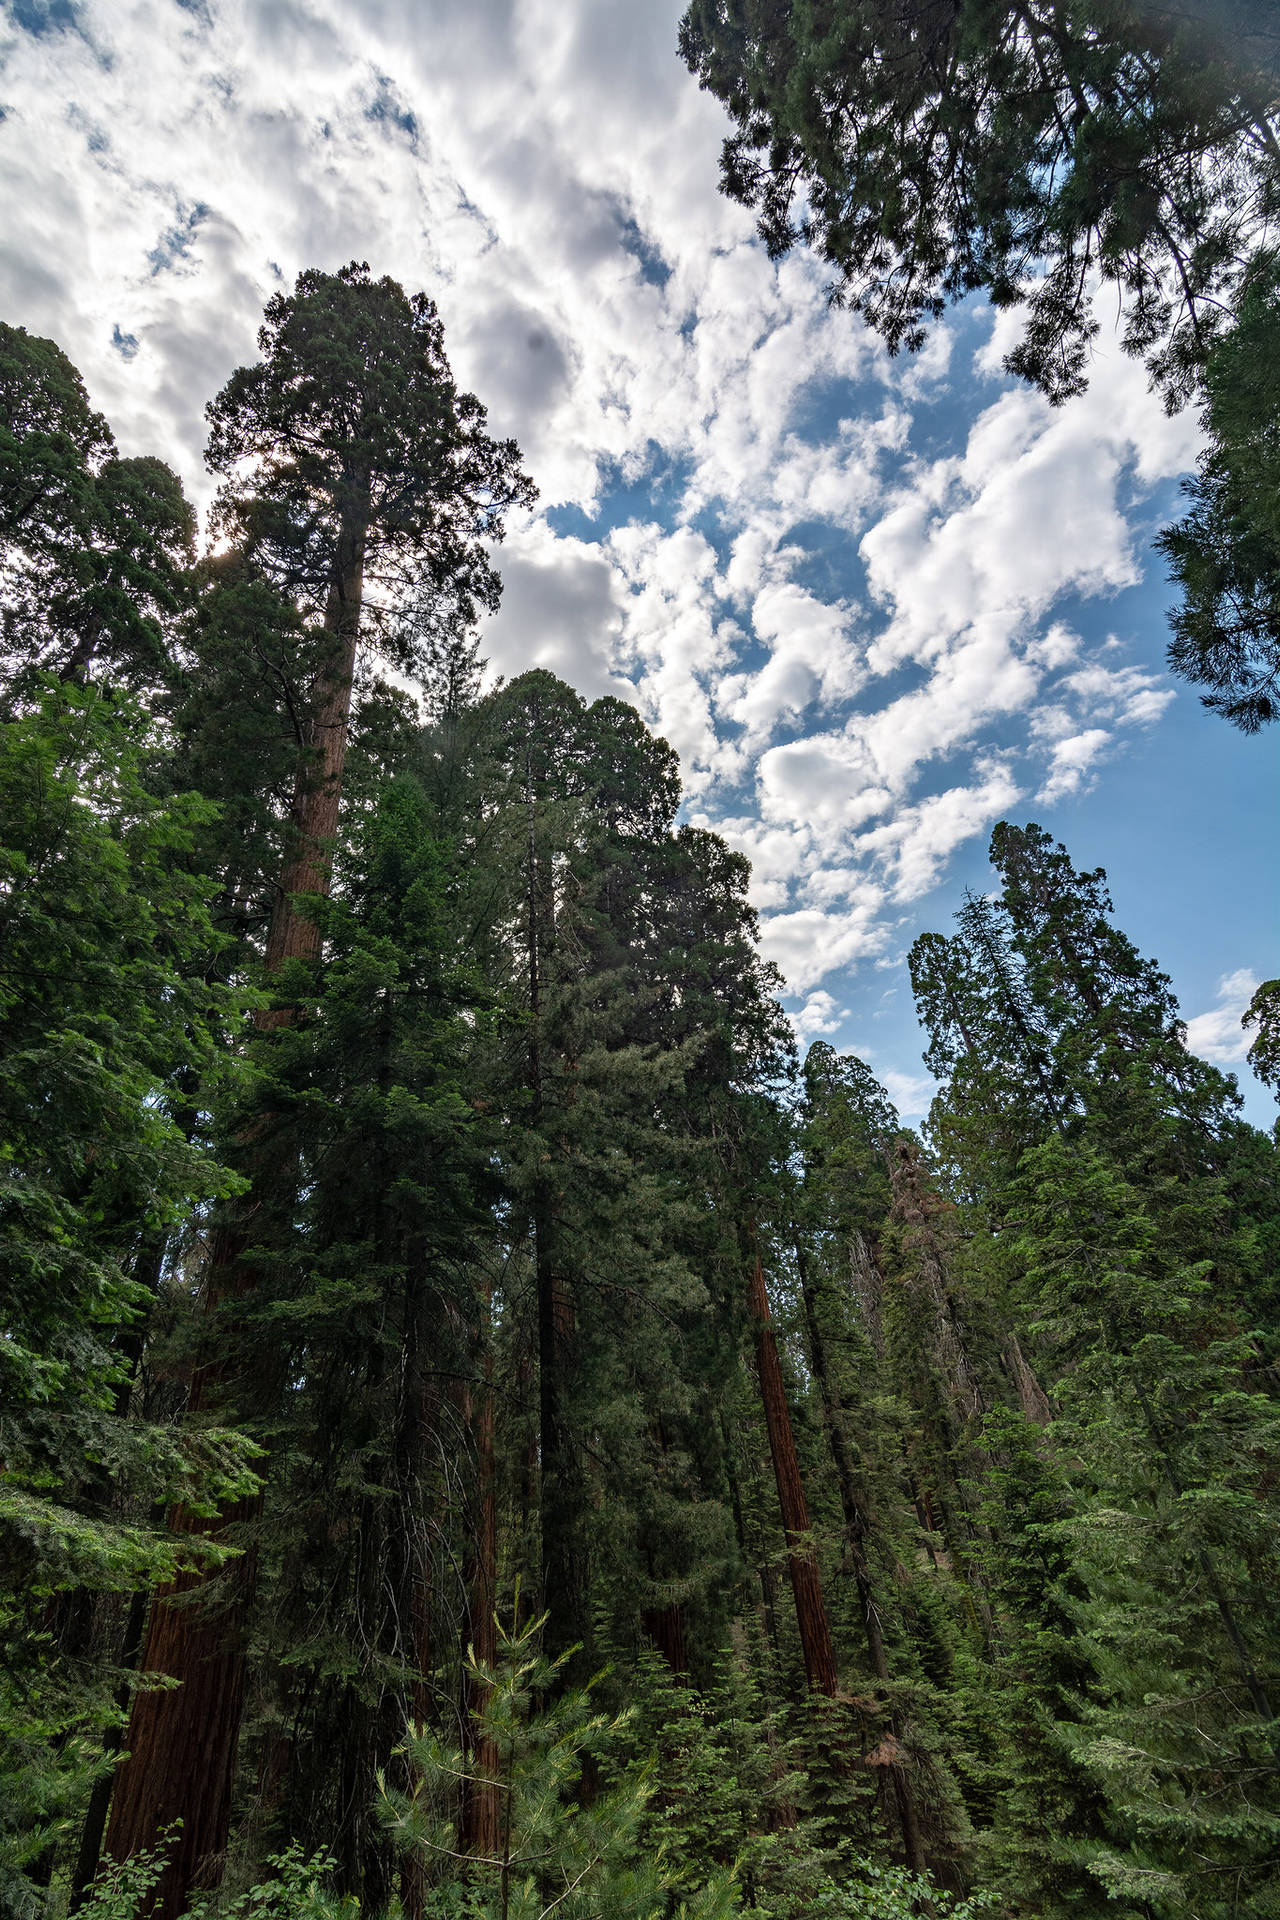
<point x="1126" y="1244"/>
<point x="369" y="471"/>
<point x="96" y="549"/>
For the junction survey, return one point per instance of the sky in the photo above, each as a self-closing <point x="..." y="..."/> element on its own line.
<point x="875" y="604"/>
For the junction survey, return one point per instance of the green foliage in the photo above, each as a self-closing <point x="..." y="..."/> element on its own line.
<point x="107" y="1025"/>
<point x="1263" y="1012"/>
<point x="1122" y="1225"/>
<point x="1225" y="555"/>
<point x="520" y="1110"/>
<point x="295" y="1891"/>
<point x="1020" y="148"/>
<point x="96" y="548"/>
<point x="366" y="440"/>
<point x="564" y="1847"/>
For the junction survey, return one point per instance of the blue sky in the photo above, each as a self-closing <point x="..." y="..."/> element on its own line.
<point x="875" y="605"/>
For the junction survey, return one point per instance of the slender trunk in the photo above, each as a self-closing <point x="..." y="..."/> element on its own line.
<point x="806" y="1582"/>
<point x="768" y="1609"/>
<point x="857" y="1526"/>
<point x="480" y="1824"/>
<point x="182" y="1741"/>
<point x="95" y="1821"/>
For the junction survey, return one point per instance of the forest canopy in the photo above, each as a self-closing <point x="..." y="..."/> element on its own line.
<point x="487" y="1429"/>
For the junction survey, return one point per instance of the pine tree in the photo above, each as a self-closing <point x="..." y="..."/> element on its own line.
<point x="1126" y="1242"/>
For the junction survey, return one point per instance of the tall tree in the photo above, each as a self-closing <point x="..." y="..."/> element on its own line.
<point x="95" y="550"/>
<point x="1128" y="1242"/>
<point x="368" y="473"/>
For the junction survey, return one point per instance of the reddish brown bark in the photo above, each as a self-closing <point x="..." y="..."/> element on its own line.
<point x="317" y="793"/>
<point x="182" y="1741"/>
<point x="806" y="1582"/>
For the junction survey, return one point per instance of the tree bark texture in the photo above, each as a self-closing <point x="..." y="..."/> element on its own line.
<point x="182" y="1740"/>
<point x="318" y="786"/>
<point x="806" y="1581"/>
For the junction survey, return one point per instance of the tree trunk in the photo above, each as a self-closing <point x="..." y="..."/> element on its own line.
<point x="806" y="1582"/>
<point x="318" y="785"/>
<point x="857" y="1527"/>
<point x="665" y="1628"/>
<point x="480" y="1833"/>
<point x="562" y="1584"/>
<point x="1032" y="1397"/>
<point x="182" y="1741"/>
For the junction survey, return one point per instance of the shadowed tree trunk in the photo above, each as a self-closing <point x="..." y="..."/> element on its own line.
<point x="479" y="1829"/>
<point x="857" y="1526"/>
<point x="806" y="1582"/>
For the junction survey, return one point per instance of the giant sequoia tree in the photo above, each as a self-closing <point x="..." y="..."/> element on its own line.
<point x="369" y="475"/>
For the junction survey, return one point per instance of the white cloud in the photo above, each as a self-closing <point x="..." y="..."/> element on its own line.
<point x="700" y="417"/>
<point x="1069" y="763"/>
<point x="911" y="1093"/>
<point x="1217" y="1035"/>
<point x="820" y="1014"/>
<point x="913" y="846"/>
<point x="809" y="944"/>
<point x="561" y="610"/>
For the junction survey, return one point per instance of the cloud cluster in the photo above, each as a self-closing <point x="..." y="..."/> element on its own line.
<point x="859" y="629"/>
<point x="1218" y="1035"/>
